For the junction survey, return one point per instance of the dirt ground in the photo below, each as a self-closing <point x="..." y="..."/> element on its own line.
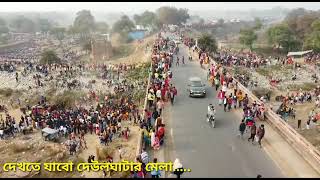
<point x="128" y="147"/>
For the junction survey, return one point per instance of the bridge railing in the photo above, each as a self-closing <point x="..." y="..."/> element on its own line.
<point x="308" y="151"/>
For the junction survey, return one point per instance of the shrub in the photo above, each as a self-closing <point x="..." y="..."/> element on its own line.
<point x="7" y="92"/>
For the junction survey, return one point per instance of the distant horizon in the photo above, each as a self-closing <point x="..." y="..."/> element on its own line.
<point x="137" y="7"/>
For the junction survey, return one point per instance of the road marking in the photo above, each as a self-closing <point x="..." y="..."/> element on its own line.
<point x="232" y="147"/>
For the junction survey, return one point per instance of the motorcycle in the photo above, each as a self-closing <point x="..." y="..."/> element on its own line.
<point x="211" y="120"/>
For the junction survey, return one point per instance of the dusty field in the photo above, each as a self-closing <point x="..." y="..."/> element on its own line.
<point x="139" y="54"/>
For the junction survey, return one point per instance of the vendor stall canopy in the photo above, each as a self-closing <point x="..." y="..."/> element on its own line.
<point x="299" y="53"/>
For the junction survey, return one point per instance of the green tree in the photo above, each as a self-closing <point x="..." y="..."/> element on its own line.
<point x="3" y="27"/>
<point x="59" y="33"/>
<point x="171" y="15"/>
<point x="312" y="40"/>
<point x="247" y="37"/>
<point x="4" y="38"/>
<point x="207" y="43"/>
<point x="2" y="22"/>
<point x="220" y="22"/>
<point x="147" y="18"/>
<point x="304" y="24"/>
<point x="102" y="27"/>
<point x="300" y="20"/>
<point x="258" y="24"/>
<point x="49" y="57"/>
<point x="87" y="46"/>
<point x="124" y="25"/>
<point x="281" y="35"/>
<point x="44" y="25"/>
<point x="22" y="24"/>
<point x="316" y="25"/>
<point x="84" y="24"/>
<point x="71" y="30"/>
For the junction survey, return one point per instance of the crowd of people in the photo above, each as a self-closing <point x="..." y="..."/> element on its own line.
<point x="246" y="59"/>
<point x="235" y="99"/>
<point x="228" y="94"/>
<point x="160" y="92"/>
<point x="312" y="57"/>
<point x="31" y="47"/>
<point x="287" y="102"/>
<point x="104" y="120"/>
<point x="68" y="75"/>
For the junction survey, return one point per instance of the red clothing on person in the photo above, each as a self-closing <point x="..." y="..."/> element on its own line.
<point x="220" y="95"/>
<point x="163" y="92"/>
<point x="160" y="132"/>
<point x="221" y="79"/>
<point x="174" y="91"/>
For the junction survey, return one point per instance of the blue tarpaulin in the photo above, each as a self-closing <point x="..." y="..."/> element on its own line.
<point x="137" y="35"/>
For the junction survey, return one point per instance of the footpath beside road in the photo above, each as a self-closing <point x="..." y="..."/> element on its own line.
<point x="281" y="152"/>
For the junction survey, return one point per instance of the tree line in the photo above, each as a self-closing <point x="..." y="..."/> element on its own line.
<point x="85" y="24"/>
<point x="300" y="30"/>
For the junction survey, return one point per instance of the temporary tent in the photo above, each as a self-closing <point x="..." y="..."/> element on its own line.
<point x="299" y="53"/>
<point x="49" y="130"/>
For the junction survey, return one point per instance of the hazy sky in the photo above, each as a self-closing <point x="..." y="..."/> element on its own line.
<point x="140" y="6"/>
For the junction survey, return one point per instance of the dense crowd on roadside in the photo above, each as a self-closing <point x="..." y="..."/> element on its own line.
<point x="224" y="83"/>
<point x="160" y="92"/>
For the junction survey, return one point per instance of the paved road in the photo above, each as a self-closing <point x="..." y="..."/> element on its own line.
<point x="210" y="152"/>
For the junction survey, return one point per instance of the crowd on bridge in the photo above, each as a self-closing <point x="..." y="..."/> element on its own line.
<point x="160" y="92"/>
<point x="228" y="93"/>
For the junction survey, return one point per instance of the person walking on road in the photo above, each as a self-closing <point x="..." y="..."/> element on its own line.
<point x="229" y="102"/>
<point x="177" y="63"/>
<point x="183" y="60"/>
<point x="208" y="74"/>
<point x="144" y="158"/>
<point x="155" y="173"/>
<point x="260" y="134"/>
<point x="220" y="97"/>
<point x="225" y="103"/>
<point x="242" y="128"/>
<point x="177" y="168"/>
<point x="173" y="93"/>
<point x="217" y="83"/>
<point x="253" y="131"/>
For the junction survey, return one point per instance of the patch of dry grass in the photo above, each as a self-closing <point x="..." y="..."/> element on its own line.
<point x="67" y="98"/>
<point x="18" y="148"/>
<point x="305" y="86"/>
<point x="6" y="92"/>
